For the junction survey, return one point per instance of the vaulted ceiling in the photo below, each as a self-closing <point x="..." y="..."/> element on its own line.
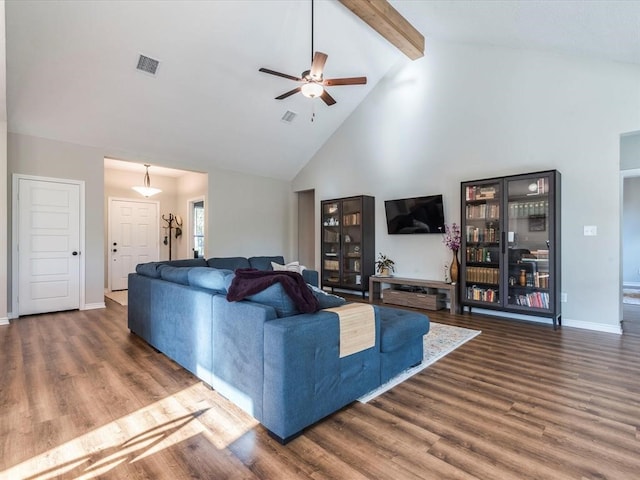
<point x="71" y="72"/>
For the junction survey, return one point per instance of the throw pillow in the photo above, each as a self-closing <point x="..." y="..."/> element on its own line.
<point x="326" y="300"/>
<point x="289" y="267"/>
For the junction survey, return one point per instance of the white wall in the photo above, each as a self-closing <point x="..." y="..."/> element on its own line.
<point x="4" y="233"/>
<point x="4" y="241"/>
<point x="247" y="215"/>
<point x="46" y="158"/>
<point x="190" y="186"/>
<point x="466" y="112"/>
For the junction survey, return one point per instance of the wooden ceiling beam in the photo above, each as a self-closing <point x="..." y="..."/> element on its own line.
<point x="386" y="20"/>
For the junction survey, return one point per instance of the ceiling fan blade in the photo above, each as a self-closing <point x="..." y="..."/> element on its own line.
<point x="328" y="99"/>
<point x="288" y="94"/>
<point x="278" y="74"/>
<point x="317" y="66"/>
<point x="331" y="82"/>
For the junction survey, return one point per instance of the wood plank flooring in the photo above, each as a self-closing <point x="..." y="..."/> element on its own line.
<point x="81" y="397"/>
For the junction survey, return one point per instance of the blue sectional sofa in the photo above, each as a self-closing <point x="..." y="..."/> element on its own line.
<point x="280" y="366"/>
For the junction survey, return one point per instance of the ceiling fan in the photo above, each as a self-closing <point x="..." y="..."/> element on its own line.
<point x="312" y="80"/>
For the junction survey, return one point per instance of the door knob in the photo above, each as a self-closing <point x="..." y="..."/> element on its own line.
<point x="74" y="253"/>
<point x="115" y="250"/>
<point x="115" y="243"/>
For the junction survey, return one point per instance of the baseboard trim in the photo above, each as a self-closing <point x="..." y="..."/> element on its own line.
<point x="598" y="327"/>
<point x="566" y="322"/>
<point x="93" y="306"/>
<point x="4" y="320"/>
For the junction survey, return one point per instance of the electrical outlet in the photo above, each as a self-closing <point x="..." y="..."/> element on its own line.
<point x="563" y="297"/>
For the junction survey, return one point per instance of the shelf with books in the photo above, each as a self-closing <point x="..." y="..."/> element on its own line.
<point x="348" y="234"/>
<point x="482" y="294"/>
<point x="482" y="211"/>
<point x="510" y="251"/>
<point x="536" y="299"/>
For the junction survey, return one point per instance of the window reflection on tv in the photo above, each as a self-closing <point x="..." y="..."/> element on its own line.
<point x="415" y="215"/>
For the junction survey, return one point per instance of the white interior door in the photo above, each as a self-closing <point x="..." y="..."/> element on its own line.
<point x="133" y="238"/>
<point x="48" y="246"/>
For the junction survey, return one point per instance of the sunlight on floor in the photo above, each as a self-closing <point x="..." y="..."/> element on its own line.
<point x="138" y="435"/>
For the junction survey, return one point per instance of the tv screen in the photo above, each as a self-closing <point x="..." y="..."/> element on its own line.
<point x="415" y="215"/>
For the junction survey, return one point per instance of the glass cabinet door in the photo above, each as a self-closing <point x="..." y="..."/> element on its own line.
<point x="331" y="214"/>
<point x="352" y="242"/>
<point x="481" y="242"/>
<point x="528" y="234"/>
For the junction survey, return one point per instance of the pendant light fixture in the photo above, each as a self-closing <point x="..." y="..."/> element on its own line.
<point x="147" y="190"/>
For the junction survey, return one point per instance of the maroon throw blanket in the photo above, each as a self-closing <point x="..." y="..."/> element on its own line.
<point x="249" y="281"/>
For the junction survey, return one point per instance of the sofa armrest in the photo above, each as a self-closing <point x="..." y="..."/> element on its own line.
<point x="311" y="277"/>
<point x="304" y="377"/>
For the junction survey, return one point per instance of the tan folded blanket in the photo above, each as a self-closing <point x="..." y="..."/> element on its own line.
<point x="357" y="327"/>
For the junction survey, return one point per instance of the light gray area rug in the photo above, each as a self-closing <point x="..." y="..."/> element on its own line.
<point x="120" y="296"/>
<point x="631" y="296"/>
<point x="440" y="341"/>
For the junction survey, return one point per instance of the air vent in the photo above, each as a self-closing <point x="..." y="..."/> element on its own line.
<point x="147" y="64"/>
<point x="289" y="116"/>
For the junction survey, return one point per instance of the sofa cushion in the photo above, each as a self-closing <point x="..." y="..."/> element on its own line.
<point x="186" y="262"/>
<point x="175" y="274"/>
<point x="264" y="263"/>
<point x="399" y="327"/>
<point x="150" y="269"/>
<point x="228" y="263"/>
<point x="326" y="300"/>
<point x="276" y="297"/>
<point x="209" y="278"/>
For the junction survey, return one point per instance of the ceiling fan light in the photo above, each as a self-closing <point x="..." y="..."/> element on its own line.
<point x="312" y="90"/>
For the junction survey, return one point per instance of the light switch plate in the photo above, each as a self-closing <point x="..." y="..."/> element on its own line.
<point x="590" y="230"/>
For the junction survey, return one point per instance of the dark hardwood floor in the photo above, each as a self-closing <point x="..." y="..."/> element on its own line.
<point x="631" y="318"/>
<point x="81" y="397"/>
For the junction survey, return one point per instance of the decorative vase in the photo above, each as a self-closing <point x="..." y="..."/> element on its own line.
<point x="453" y="269"/>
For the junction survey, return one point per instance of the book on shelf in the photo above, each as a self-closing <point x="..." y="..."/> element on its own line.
<point x="476" y="192"/>
<point x="331" y="265"/>
<point x="489" y="295"/>
<point x="533" y="299"/>
<point x="477" y="234"/>
<point x="351" y="219"/>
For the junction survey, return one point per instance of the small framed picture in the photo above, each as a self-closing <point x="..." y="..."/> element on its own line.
<point x="537" y="223"/>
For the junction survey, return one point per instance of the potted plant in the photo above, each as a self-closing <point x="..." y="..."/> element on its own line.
<point x="384" y="265"/>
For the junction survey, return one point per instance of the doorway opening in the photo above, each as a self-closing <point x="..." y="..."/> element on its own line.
<point x="630" y="232"/>
<point x="307" y="228"/>
<point x="177" y="188"/>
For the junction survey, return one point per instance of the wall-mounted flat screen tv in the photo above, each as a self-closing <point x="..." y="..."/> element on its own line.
<point x="415" y="215"/>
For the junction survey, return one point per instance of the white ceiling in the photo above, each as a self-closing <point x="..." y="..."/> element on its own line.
<point x="71" y="69"/>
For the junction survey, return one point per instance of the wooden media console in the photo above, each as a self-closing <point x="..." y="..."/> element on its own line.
<point x="414" y="292"/>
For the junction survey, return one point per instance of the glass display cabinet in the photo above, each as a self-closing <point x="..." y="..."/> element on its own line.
<point x="348" y="242"/>
<point x="511" y="244"/>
